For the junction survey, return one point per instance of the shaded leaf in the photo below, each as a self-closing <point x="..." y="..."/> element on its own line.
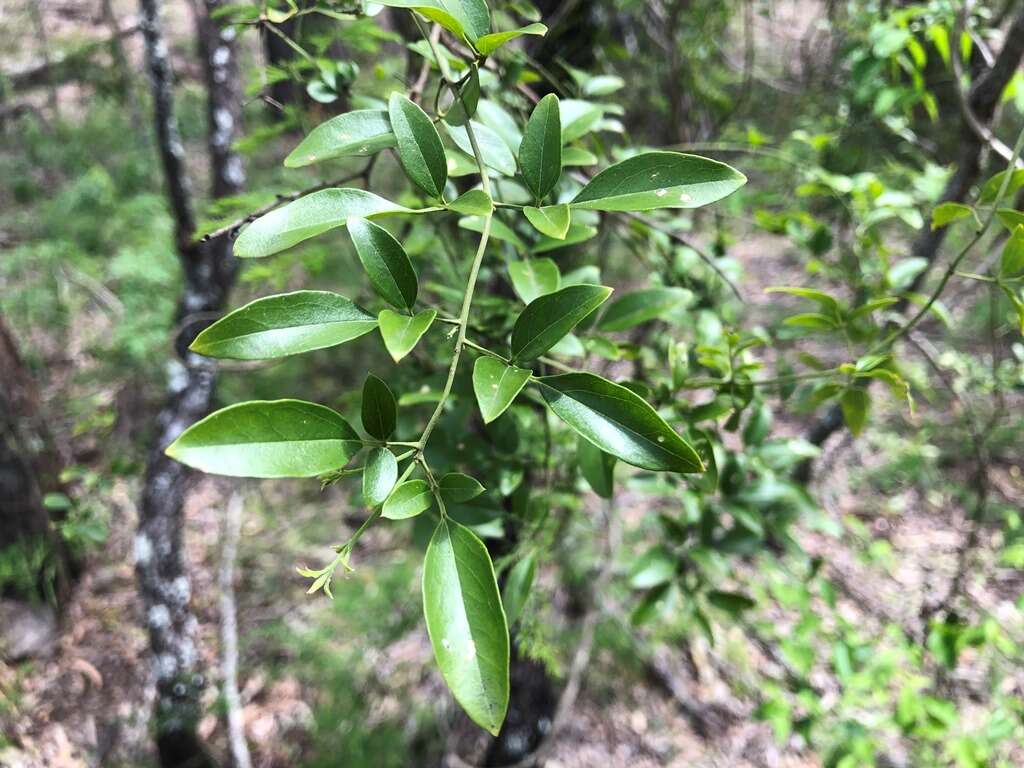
<point x="640" y="306"/>
<point x="517" y="587"/>
<point x="551" y="220"/>
<point x="457" y="488"/>
<point x="388" y="266"/>
<point x="475" y="202"/>
<point x="419" y="146"/>
<point x="533" y="278"/>
<point x="619" y="422"/>
<point x="597" y="467"/>
<point x="495" y="152"/>
<point x="379" y="410"/>
<point x="540" y="153"/>
<point x="548" y="318"/>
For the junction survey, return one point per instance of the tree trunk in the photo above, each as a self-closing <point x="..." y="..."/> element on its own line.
<point x="29" y="469"/>
<point x="209" y="270"/>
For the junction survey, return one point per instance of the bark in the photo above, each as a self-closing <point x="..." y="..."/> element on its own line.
<point x="983" y="100"/>
<point x="209" y="270"/>
<point x="29" y="469"/>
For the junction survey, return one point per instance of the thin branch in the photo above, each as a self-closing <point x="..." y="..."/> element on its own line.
<point x="230" y="229"/>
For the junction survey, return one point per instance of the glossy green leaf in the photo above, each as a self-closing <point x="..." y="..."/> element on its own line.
<point x="308" y="217"/>
<point x="497" y="118"/>
<point x="496" y="385"/>
<point x="468" y="19"/>
<point x="388" y="266"/>
<point x="548" y="318"/>
<point x="379" y="411"/>
<point x="540" y="153"/>
<point x="517" y="587"/>
<point x="419" y="145"/>
<point x="533" y="278"/>
<point x="360" y="133"/>
<point x="268" y="438"/>
<point x="551" y="220"/>
<point x="488" y="44"/>
<point x="401" y="333"/>
<point x="1011" y="262"/>
<point x="379" y="476"/>
<point x="457" y="488"/>
<point x="659" y="180"/>
<point x="640" y="306"/>
<point x="464" y="99"/>
<point x="466" y="623"/>
<point x="287" y="324"/>
<point x="475" y="202"/>
<point x="493" y="149"/>
<point x="619" y="422"/>
<point x="411" y="498"/>
<point x="597" y="468"/>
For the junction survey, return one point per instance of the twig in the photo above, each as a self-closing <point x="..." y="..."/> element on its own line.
<point x="282" y="200"/>
<point x="229" y="633"/>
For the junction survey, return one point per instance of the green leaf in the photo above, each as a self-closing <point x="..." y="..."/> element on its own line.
<point x="597" y="468"/>
<point x="388" y="266"/>
<point x="457" y="488"/>
<point x="855" y="403"/>
<point x="464" y="99"/>
<point x="990" y="189"/>
<point x="733" y="603"/>
<point x="379" y="410"/>
<point x="401" y="332"/>
<point x="603" y="85"/>
<point x="540" y="153"/>
<point x="499" y="230"/>
<point x="577" y="156"/>
<point x="467" y="19"/>
<point x="308" y="217"/>
<point x="497" y="118"/>
<point x="1012" y="261"/>
<point x="829" y="303"/>
<point x="517" y="587"/>
<point x="286" y="324"/>
<point x="379" y="476"/>
<point x="261" y="438"/>
<point x="814" y="320"/>
<point x="548" y="318"/>
<point x="494" y="150"/>
<point x="475" y="202"/>
<point x="619" y="422"/>
<point x="655" y="567"/>
<point x="360" y="133"/>
<point x="1010" y="218"/>
<point x="411" y="498"/>
<point x="534" y="277"/>
<point x="659" y="180"/>
<point x="466" y="623"/>
<point x="578" y="233"/>
<point x="578" y="118"/>
<point x="419" y="146"/>
<point x="947" y="213"/>
<point x="551" y="220"/>
<point x="496" y="386"/>
<point x="640" y="306"/>
<point x="488" y="44"/>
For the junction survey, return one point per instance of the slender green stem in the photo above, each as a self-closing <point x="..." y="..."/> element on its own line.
<point x="955" y="264"/>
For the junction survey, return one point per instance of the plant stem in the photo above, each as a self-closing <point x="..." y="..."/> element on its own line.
<point x="955" y="264"/>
